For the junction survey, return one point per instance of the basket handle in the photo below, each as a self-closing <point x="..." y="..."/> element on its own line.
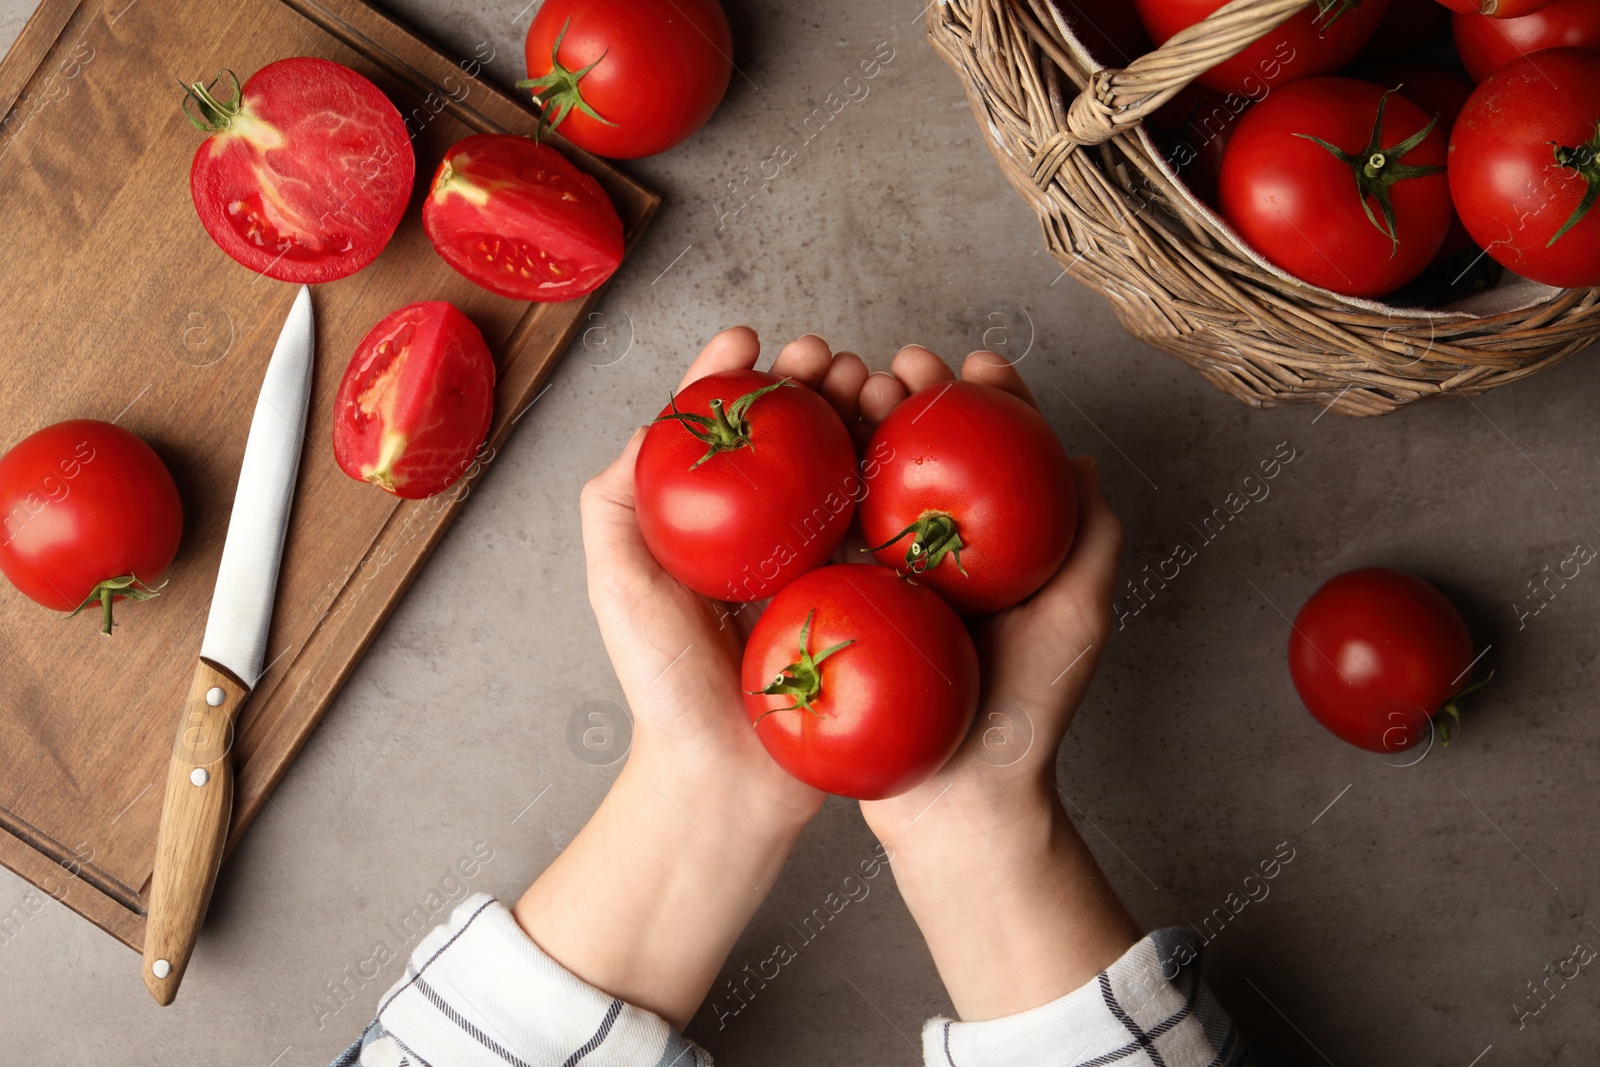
<point x="1117" y="100"/>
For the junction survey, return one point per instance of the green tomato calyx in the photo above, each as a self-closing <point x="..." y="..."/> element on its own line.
<point x="108" y="590"/>
<point x="1451" y="728"/>
<point x="557" y="92"/>
<point x="727" y="427"/>
<point x="800" y="681"/>
<point x="934" y="536"/>
<point x="1585" y="161"/>
<point x="1376" y="168"/>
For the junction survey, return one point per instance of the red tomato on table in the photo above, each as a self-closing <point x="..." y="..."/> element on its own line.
<point x="415" y="402"/>
<point x="1523" y="169"/>
<point x="90" y="514"/>
<point x="518" y="219"/>
<point x="1318" y="40"/>
<point x="1375" y="654"/>
<point x="969" y="490"/>
<point x="744" y="482"/>
<point x="1487" y="44"/>
<point x="1320" y="216"/>
<point x="628" y="78"/>
<point x="306" y="173"/>
<point x="859" y="682"/>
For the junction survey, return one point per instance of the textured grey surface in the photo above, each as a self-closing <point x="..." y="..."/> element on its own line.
<point x="1417" y="909"/>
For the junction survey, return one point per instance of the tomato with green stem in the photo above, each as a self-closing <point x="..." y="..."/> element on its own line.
<point x="91" y="516"/>
<point x="860" y="682"/>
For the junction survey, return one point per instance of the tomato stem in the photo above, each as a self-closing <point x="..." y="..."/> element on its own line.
<point x="727" y="428"/>
<point x="1340" y="8"/>
<point x="800" y="681"/>
<point x="935" y="536"/>
<point x="107" y="592"/>
<point x="1585" y="160"/>
<point x="1376" y="168"/>
<point x="557" y="93"/>
<point x="1454" y="711"/>
<point x="215" y="115"/>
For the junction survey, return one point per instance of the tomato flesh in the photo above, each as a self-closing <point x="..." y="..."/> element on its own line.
<point x="415" y="402"/>
<point x="84" y="503"/>
<point x="520" y="220"/>
<point x="891" y="706"/>
<point x="307" y="180"/>
<point x="1375" y="654"/>
<point x="989" y="461"/>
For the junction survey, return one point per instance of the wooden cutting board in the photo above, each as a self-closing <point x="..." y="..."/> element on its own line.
<point x="117" y="306"/>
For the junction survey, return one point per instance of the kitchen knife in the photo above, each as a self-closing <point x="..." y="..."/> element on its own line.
<point x="199" y="797"/>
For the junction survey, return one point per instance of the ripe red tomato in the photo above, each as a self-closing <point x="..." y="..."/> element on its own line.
<point x="1375" y="654"/>
<point x="1322" y="217"/>
<point x="1523" y="168"/>
<point x="628" y="78"/>
<point x="1408" y="27"/>
<point x="306" y="173"/>
<point x="744" y="482"/>
<point x="414" y="405"/>
<point x="1495" y="9"/>
<point x="1487" y="44"/>
<point x="859" y="682"/>
<point x="518" y="219"/>
<point x="969" y="490"/>
<point x="1319" y="40"/>
<point x="91" y="514"/>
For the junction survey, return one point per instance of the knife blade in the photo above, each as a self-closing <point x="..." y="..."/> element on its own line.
<point x="199" y="789"/>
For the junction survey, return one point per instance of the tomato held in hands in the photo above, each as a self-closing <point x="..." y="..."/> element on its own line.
<point x="1320" y="39"/>
<point x="744" y="482"/>
<point x="628" y="78"/>
<point x="1524" y="170"/>
<point x="968" y="489"/>
<point x="859" y="682"/>
<point x="1487" y="44"/>
<point x="90" y="514"/>
<point x="1375" y="654"/>
<point x="518" y="219"/>
<point x="307" y="170"/>
<point x="1340" y="183"/>
<point x="414" y="405"/>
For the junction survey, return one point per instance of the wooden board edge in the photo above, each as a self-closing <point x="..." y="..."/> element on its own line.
<point x="39" y="35"/>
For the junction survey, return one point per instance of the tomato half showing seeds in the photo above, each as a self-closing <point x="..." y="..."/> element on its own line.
<point x="1524" y="172"/>
<point x="520" y="220"/>
<point x="1487" y="44"/>
<point x="1340" y="183"/>
<point x="968" y="489"/>
<point x="1375" y="654"/>
<point x="91" y="514"/>
<point x="307" y="170"/>
<point x="414" y="405"/>
<point x="1318" y="40"/>
<point x="859" y="682"/>
<point x="744" y="482"/>
<point x="628" y="78"/>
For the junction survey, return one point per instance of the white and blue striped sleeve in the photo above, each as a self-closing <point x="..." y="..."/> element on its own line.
<point x="1148" y="1009"/>
<point x="477" y="992"/>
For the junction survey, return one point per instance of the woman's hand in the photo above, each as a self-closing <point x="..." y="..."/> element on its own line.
<point x="647" y="901"/>
<point x="1015" y="910"/>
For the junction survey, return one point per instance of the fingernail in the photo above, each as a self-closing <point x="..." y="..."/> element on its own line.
<point x="819" y="337"/>
<point x="882" y="373"/>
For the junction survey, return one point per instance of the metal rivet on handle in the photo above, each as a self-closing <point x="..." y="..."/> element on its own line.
<point x="161" y="968"/>
<point x="199" y="776"/>
<point x="215" y="696"/>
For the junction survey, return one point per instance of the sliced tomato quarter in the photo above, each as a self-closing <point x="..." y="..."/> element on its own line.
<point x="517" y="218"/>
<point x="307" y="170"/>
<point x="414" y="405"/>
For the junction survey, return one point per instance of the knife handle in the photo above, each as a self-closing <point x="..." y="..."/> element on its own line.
<point x="194" y="823"/>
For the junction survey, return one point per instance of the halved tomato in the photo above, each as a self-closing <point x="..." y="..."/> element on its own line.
<point x="415" y="402"/>
<point x="307" y="170"/>
<point x="517" y="218"/>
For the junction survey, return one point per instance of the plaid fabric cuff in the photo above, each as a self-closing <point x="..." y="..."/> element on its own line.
<point x="1148" y="1009"/>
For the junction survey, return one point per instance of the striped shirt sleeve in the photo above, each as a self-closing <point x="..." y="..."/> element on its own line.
<point x="1148" y="1009"/>
<point x="477" y="992"/>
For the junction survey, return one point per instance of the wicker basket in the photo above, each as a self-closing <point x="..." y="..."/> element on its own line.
<point x="1066" y="133"/>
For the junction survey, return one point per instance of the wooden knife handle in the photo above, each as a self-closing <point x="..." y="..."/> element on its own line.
<point x="194" y="823"/>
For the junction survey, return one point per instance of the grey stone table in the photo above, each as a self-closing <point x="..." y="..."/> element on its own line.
<point x="1420" y="903"/>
